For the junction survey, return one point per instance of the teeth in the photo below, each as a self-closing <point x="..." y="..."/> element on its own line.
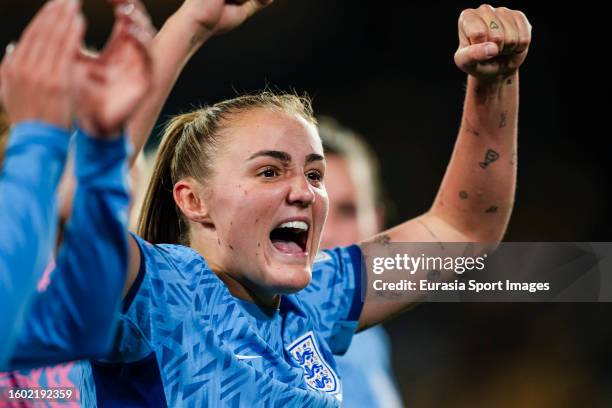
<point x="295" y="224"/>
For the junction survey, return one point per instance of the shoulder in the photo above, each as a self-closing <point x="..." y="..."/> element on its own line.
<point x="165" y="269"/>
<point x="170" y="259"/>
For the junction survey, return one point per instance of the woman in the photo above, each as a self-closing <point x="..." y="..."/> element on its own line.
<point x="233" y="219"/>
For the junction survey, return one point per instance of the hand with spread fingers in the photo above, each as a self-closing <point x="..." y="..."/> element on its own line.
<point x="111" y="85"/>
<point x="36" y="75"/>
<point x="493" y="42"/>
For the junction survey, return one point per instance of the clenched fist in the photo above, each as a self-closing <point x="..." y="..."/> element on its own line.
<point x="493" y="42"/>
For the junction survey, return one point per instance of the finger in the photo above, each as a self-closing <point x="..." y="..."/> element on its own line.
<point x="524" y="31"/>
<point x="472" y="28"/>
<point x="71" y="44"/>
<point x="8" y="53"/>
<point x="473" y="54"/>
<point x="47" y="40"/>
<point x="511" y="36"/>
<point x="141" y="18"/>
<point x="61" y="45"/>
<point x="30" y="43"/>
<point x="495" y="32"/>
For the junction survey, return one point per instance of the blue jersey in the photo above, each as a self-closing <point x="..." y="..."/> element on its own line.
<point x="34" y="161"/>
<point x="74" y="317"/>
<point x="185" y="341"/>
<point x="367" y="373"/>
<point x="366" y="366"/>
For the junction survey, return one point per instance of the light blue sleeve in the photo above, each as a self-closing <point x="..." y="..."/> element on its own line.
<point x="76" y="316"/>
<point x="335" y="295"/>
<point x="34" y="162"/>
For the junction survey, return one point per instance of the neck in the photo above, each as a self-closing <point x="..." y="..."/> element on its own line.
<point x="238" y="288"/>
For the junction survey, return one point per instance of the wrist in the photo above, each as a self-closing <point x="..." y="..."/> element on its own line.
<point x="195" y="29"/>
<point x="97" y="131"/>
<point x="494" y="82"/>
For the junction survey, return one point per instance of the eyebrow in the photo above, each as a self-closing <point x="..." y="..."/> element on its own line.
<point x="277" y="154"/>
<point x="284" y="156"/>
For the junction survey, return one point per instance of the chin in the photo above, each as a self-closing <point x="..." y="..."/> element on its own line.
<point x="288" y="279"/>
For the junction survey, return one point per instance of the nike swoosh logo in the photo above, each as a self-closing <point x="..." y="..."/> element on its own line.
<point x="242" y="357"/>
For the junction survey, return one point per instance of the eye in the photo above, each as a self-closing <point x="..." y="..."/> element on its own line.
<point x="269" y="172"/>
<point x="315" y="176"/>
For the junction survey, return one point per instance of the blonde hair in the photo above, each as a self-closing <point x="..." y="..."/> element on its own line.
<point x="189" y="144"/>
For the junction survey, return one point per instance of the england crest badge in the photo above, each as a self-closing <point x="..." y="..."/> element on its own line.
<point x="318" y="375"/>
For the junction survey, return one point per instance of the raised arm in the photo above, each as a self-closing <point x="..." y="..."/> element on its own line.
<point x="35" y="81"/>
<point x="74" y="318"/>
<point x="475" y="199"/>
<point x="194" y="23"/>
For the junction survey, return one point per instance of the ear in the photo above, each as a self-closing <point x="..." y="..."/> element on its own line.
<point x="188" y="195"/>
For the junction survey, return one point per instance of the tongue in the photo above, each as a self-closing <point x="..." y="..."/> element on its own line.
<point x="288" y="247"/>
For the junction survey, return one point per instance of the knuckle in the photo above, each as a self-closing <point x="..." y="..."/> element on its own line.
<point x="486" y="7"/>
<point x="476" y="32"/>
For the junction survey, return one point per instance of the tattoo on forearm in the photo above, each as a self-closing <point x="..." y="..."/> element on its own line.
<point x="502" y="120"/>
<point x="196" y="39"/>
<point x="463" y="194"/>
<point x="493" y="25"/>
<point x="490" y="156"/>
<point x="470" y="129"/>
<point x="431" y="233"/>
<point x="492" y="209"/>
<point x="383" y="240"/>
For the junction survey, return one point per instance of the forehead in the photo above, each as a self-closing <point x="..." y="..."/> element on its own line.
<point x="266" y="129"/>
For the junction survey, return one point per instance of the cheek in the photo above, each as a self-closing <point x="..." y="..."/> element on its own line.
<point x="242" y="214"/>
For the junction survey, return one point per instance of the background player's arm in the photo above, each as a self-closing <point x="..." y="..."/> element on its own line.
<point x="74" y="318"/>
<point x="475" y="199"/>
<point x="194" y="23"/>
<point x="34" y="88"/>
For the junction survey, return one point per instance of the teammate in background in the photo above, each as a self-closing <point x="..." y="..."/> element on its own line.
<point x="357" y="212"/>
<point x="45" y="83"/>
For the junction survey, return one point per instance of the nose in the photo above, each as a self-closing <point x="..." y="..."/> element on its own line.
<point x="301" y="192"/>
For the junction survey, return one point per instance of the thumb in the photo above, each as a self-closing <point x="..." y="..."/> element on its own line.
<point x="473" y="54"/>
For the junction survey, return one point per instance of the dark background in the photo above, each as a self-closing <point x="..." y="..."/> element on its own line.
<point x="386" y="70"/>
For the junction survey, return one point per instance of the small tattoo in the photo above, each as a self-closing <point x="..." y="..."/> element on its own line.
<point x="509" y="81"/>
<point x="502" y="120"/>
<point x="433" y="275"/>
<point x="470" y="129"/>
<point x="383" y="240"/>
<point x="493" y="25"/>
<point x="491" y="209"/>
<point x="463" y="194"/>
<point x="490" y="157"/>
<point x="432" y="233"/>
<point x="196" y="39"/>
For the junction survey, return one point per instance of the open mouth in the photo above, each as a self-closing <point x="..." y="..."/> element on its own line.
<point x="290" y="237"/>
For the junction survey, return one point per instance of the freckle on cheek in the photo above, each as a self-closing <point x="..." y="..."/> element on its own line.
<point x="231" y="247"/>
